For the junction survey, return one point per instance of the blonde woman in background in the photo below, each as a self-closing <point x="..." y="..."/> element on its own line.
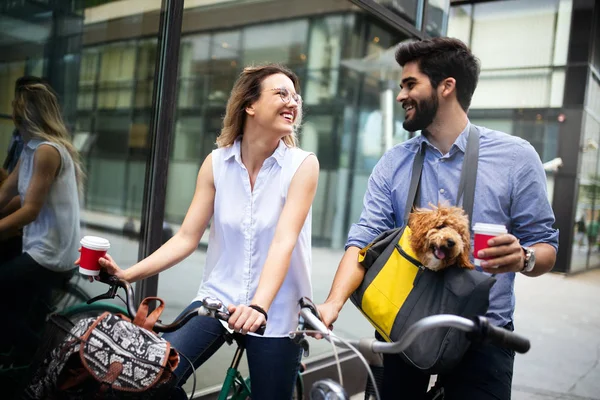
<point x="258" y="187"/>
<point x="46" y="179"/>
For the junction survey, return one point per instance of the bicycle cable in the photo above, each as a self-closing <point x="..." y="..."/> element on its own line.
<point x="193" y="373"/>
<point x="355" y="350"/>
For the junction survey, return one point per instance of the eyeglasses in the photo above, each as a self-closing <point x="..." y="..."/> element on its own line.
<point x="286" y="95"/>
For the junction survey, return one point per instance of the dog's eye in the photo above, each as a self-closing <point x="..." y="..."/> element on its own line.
<point x="440" y="227"/>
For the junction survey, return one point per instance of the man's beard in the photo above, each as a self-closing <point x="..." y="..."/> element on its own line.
<point x="423" y="114"/>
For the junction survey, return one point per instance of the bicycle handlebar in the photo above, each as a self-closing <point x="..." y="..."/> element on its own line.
<point x="210" y="308"/>
<point x="478" y="329"/>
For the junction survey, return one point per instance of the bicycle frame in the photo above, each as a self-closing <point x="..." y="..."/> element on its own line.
<point x="234" y="380"/>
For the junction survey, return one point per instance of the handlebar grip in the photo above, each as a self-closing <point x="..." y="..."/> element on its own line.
<point x="505" y="338"/>
<point x="499" y="336"/>
<point x="312" y="320"/>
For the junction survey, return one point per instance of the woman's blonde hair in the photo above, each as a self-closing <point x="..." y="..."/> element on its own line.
<point x="37" y="112"/>
<point x="247" y="90"/>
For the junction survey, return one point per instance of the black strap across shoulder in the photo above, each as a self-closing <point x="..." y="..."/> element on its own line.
<point x="468" y="176"/>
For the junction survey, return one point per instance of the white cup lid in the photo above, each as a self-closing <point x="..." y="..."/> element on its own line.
<point x="95" y="243"/>
<point x="489" y="228"/>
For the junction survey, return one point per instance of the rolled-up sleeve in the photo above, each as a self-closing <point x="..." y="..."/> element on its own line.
<point x="531" y="212"/>
<point x="378" y="212"/>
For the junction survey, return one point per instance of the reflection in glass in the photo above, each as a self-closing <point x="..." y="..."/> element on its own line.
<point x="407" y="9"/>
<point x="533" y="19"/>
<point x="586" y="247"/>
<point x="100" y="60"/>
<point x="459" y="23"/>
<point x="437" y="17"/>
<point x="283" y="42"/>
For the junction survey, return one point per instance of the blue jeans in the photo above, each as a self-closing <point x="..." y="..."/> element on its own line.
<point x="273" y="362"/>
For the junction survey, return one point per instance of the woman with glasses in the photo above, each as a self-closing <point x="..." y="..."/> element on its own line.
<point x="258" y="187"/>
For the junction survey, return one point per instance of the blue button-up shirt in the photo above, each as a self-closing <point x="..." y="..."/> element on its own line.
<point x="510" y="190"/>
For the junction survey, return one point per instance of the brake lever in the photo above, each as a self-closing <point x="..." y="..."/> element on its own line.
<point x="110" y="294"/>
<point x="300" y="340"/>
<point x="305" y="302"/>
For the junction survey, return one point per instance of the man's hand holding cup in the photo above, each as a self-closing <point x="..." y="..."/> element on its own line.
<point x="495" y="250"/>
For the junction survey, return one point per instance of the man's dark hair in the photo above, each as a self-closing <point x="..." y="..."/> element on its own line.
<point x="441" y="58"/>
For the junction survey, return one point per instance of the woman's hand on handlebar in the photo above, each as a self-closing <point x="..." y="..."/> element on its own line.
<point x="110" y="267"/>
<point x="244" y="319"/>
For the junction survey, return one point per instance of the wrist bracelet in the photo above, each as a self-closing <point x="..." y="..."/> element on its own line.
<point x="260" y="310"/>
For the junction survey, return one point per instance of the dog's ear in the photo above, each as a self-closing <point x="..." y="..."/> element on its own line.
<point x="464" y="260"/>
<point x="463" y="225"/>
<point x="416" y="218"/>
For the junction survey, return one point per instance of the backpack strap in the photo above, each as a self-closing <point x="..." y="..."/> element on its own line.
<point x="415" y="179"/>
<point x="468" y="176"/>
<point x="145" y="320"/>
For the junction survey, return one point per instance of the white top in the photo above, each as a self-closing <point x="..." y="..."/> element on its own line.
<point x="52" y="239"/>
<point x="243" y="227"/>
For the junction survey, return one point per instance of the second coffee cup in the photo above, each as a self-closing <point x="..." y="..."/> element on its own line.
<point x="483" y="233"/>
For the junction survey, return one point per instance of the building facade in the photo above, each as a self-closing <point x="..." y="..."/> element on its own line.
<point x="540" y="80"/>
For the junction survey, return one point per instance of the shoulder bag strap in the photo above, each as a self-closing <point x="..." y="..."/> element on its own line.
<point x="415" y="179"/>
<point x="468" y="174"/>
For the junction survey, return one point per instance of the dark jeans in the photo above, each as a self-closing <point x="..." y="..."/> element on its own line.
<point x="10" y="248"/>
<point x="26" y="291"/>
<point x="485" y="373"/>
<point x="273" y="362"/>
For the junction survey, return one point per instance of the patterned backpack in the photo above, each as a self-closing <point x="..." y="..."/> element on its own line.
<point x="108" y="357"/>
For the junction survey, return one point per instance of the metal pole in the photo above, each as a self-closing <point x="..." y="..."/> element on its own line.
<point x="164" y="100"/>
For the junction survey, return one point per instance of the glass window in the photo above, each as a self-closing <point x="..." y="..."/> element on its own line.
<point x="225" y="56"/>
<point x="586" y="242"/>
<point x="512" y="21"/>
<point x="88" y="74"/>
<point x="290" y="47"/>
<point x="437" y="17"/>
<point x="145" y="63"/>
<point x="410" y="10"/>
<point x="194" y="67"/>
<point x="116" y="78"/>
<point x="93" y="54"/>
<point x="460" y="22"/>
<point x="323" y="61"/>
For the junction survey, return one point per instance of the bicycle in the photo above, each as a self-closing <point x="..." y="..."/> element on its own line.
<point x="478" y="329"/>
<point x="235" y="386"/>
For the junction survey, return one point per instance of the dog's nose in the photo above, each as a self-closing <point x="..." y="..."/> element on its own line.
<point x="451" y="243"/>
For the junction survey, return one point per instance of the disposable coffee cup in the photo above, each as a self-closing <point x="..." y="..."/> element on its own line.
<point x="92" y="248"/>
<point x="483" y="233"/>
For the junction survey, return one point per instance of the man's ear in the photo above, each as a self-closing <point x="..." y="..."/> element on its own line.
<point x="448" y="86"/>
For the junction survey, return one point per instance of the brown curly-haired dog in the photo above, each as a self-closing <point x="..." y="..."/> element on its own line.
<point x="440" y="237"/>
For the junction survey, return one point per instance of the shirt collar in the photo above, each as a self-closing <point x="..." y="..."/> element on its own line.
<point x="235" y="151"/>
<point x="460" y="142"/>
